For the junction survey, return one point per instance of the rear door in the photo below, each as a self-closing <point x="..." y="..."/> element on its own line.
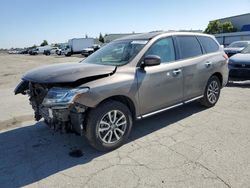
<point x="160" y="86"/>
<point x="195" y="65"/>
<point x="213" y="56"/>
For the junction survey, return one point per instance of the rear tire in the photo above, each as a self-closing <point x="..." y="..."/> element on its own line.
<point x="108" y="125"/>
<point x="212" y="92"/>
<point x="68" y="54"/>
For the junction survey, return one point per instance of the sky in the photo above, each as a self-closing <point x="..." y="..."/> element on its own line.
<point x="24" y="23"/>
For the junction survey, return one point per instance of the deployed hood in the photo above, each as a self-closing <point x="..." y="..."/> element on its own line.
<point x="67" y="72"/>
<point x="240" y="58"/>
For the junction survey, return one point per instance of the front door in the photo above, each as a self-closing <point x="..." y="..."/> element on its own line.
<point x="160" y="86"/>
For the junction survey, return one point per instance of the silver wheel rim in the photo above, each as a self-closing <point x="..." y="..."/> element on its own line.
<point x="213" y="92"/>
<point x="112" y="127"/>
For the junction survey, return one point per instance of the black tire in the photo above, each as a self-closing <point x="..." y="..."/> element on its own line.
<point x="93" y="122"/>
<point x="68" y="54"/>
<point x="207" y="100"/>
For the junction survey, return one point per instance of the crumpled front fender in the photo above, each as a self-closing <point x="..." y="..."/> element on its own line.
<point x="21" y="87"/>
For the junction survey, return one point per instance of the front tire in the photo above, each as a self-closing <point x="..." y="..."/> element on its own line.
<point x="108" y="125"/>
<point x="212" y="92"/>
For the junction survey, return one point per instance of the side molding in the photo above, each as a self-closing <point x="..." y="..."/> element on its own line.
<point x="168" y="108"/>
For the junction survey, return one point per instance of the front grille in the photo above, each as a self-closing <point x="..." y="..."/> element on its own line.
<point x="44" y="112"/>
<point x="242" y="65"/>
<point x="239" y="73"/>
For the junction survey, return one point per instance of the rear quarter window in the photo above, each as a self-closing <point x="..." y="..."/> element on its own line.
<point x="208" y="44"/>
<point x="189" y="46"/>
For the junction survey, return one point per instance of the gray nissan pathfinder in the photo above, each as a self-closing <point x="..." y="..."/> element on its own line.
<point x="128" y="79"/>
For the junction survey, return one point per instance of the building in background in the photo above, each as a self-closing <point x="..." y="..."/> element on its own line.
<point x="241" y="23"/>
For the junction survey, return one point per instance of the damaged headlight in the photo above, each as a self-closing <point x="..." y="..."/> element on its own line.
<point x="62" y="96"/>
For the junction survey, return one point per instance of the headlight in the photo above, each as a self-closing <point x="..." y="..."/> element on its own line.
<point x="62" y="96"/>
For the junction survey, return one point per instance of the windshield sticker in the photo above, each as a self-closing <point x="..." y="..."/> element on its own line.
<point x="139" y="42"/>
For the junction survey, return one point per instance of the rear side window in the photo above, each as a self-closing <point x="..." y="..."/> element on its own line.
<point x="208" y="44"/>
<point x="189" y="46"/>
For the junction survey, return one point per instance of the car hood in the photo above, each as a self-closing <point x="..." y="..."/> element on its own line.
<point x="67" y="72"/>
<point x="240" y="58"/>
<point x="233" y="49"/>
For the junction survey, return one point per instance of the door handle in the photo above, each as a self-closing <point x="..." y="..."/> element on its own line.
<point x="208" y="64"/>
<point x="176" y="71"/>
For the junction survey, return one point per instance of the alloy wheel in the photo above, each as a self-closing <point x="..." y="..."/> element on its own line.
<point x="112" y="127"/>
<point x="213" y="92"/>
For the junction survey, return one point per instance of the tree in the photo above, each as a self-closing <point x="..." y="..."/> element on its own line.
<point x="227" y="27"/>
<point x="215" y="27"/>
<point x="44" y="43"/>
<point x="101" y="38"/>
<point x="34" y="46"/>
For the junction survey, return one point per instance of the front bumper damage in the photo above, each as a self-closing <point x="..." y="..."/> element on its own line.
<point x="64" y="117"/>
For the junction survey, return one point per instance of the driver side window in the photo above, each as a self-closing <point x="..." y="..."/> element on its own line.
<point x="164" y="48"/>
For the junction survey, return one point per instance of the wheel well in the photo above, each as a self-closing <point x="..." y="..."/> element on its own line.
<point x="125" y="100"/>
<point x="218" y="75"/>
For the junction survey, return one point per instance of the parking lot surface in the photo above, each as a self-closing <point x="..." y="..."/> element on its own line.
<point x="189" y="146"/>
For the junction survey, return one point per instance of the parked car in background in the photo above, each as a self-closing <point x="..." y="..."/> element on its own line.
<point x="13" y="52"/>
<point x="24" y="51"/>
<point x="33" y="51"/>
<point x="76" y="45"/>
<point x="61" y="48"/>
<point x="87" y="51"/>
<point x="53" y="50"/>
<point x="39" y="50"/>
<point x="236" y="47"/>
<point x="130" y="78"/>
<point x="59" y="51"/>
<point x="239" y="65"/>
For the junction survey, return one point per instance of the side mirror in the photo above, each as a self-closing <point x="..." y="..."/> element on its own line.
<point x="151" y="60"/>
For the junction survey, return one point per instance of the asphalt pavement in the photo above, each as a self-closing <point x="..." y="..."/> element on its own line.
<point x="189" y="146"/>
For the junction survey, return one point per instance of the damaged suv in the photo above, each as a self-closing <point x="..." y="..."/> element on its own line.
<point x="128" y="79"/>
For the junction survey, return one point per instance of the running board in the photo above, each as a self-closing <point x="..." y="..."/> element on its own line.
<point x="168" y="108"/>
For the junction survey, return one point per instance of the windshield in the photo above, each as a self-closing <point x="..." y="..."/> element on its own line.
<point x="238" y="45"/>
<point x="116" y="53"/>
<point x="246" y="50"/>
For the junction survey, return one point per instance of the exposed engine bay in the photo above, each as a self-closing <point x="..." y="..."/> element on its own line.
<point x="62" y="117"/>
<point x="53" y="91"/>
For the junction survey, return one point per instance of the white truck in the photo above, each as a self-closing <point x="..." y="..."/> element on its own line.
<point x="76" y="45"/>
<point x="40" y="50"/>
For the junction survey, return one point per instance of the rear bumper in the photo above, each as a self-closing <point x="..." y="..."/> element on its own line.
<point x="86" y="53"/>
<point x="225" y="75"/>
